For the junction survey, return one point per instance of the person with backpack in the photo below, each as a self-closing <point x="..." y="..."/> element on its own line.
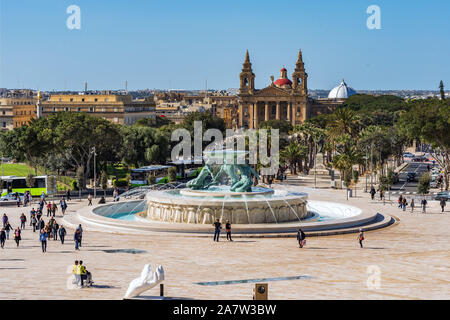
<point x="301" y="238"/>
<point x="2" y="238"/>
<point x="80" y="229"/>
<point x="361" y="237"/>
<point x="23" y="220"/>
<point x="41" y="224"/>
<point x="43" y="238"/>
<point x="17" y="237"/>
<point x="62" y="233"/>
<point x="38" y="215"/>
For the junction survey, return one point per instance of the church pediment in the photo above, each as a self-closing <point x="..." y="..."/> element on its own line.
<point x="272" y="91"/>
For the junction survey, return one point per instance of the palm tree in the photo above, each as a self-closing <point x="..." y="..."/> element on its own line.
<point x="293" y="153"/>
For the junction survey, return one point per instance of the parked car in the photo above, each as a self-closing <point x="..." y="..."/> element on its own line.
<point x="411" y="176"/>
<point x="443" y="195"/>
<point x="396" y="177"/>
<point x="408" y="155"/>
<point x="12" y="196"/>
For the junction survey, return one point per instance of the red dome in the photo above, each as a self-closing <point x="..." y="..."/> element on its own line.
<point x="283" y="69"/>
<point x="282" y="82"/>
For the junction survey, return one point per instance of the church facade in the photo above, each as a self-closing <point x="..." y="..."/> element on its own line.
<point x="283" y="99"/>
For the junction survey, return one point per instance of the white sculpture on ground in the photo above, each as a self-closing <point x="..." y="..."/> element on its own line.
<point x="146" y="281"/>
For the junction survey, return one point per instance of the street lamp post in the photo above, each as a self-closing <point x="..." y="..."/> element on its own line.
<point x="95" y="174"/>
<point x="315" y="171"/>
<point x="366" y="167"/>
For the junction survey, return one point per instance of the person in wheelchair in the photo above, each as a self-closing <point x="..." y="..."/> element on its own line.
<point x="86" y="276"/>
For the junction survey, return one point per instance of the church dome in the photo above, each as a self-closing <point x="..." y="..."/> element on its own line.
<point x="341" y="91"/>
<point x="283" y="81"/>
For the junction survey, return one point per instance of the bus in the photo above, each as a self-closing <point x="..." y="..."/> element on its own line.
<point x="185" y="170"/>
<point x="19" y="184"/>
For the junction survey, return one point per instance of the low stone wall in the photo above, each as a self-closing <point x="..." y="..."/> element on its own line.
<point x="248" y="211"/>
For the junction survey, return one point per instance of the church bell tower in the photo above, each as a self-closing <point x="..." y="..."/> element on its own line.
<point x="299" y="76"/>
<point x="247" y="77"/>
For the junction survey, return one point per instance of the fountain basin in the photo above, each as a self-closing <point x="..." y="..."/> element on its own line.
<point x="259" y="207"/>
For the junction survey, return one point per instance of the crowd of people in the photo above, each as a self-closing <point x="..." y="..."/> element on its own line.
<point x="47" y="230"/>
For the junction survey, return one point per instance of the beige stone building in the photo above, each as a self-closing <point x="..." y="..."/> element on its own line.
<point x="283" y="99"/>
<point x="17" y="109"/>
<point x="121" y="109"/>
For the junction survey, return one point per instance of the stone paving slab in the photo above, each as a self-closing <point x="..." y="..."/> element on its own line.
<point x="413" y="258"/>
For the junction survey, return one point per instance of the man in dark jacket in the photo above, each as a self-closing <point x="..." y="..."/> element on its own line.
<point x="300" y="237"/>
<point x="62" y="233"/>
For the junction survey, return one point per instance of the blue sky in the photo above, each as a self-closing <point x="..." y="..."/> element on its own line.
<point x="180" y="44"/>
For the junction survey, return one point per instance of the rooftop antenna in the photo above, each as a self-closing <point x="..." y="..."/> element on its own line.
<point x="126" y="86"/>
<point x="85" y="86"/>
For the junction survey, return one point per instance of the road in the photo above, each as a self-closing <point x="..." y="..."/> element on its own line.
<point x="419" y="168"/>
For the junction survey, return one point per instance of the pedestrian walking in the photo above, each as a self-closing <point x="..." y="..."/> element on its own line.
<point x="76" y="239"/>
<point x="424" y="205"/>
<point x="228" y="230"/>
<point x="76" y="274"/>
<point x="8" y="228"/>
<point x="2" y="238"/>
<point x="89" y="200"/>
<point x="43" y="238"/>
<point x="17" y="237"/>
<point x="412" y="205"/>
<point x="49" y="208"/>
<point x="63" y="205"/>
<point x="54" y="208"/>
<point x="55" y="229"/>
<point x="400" y="201"/>
<point x="62" y="233"/>
<point x="68" y="195"/>
<point x="80" y="229"/>
<point x="372" y="192"/>
<point x="82" y="271"/>
<point x="301" y="238"/>
<point x="38" y="215"/>
<point x="33" y="222"/>
<point x="32" y="213"/>
<point x="4" y="219"/>
<point x="404" y="204"/>
<point x="443" y="204"/>
<point x="217" y="226"/>
<point x="23" y="220"/>
<point x="41" y="224"/>
<point x="361" y="237"/>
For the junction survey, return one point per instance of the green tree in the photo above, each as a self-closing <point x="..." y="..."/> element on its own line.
<point x="429" y="121"/>
<point x="441" y="89"/>
<point x="80" y="178"/>
<point x="293" y="154"/>
<point x="423" y="187"/>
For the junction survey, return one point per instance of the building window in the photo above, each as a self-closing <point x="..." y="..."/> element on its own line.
<point x="103" y="109"/>
<point x="78" y="109"/>
<point x="116" y="110"/>
<point x="116" y="119"/>
<point x="66" y="109"/>
<point x="106" y="99"/>
<point x="91" y="109"/>
<point x="95" y="99"/>
<point x="71" y="99"/>
<point x="60" y="99"/>
<point x="54" y="109"/>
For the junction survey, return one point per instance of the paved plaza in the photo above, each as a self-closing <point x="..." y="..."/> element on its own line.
<point x="411" y="256"/>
